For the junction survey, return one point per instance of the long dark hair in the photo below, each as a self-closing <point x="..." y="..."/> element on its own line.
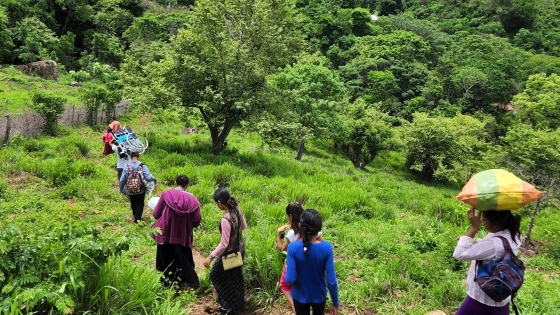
<point x="506" y="220"/>
<point x="223" y="196"/>
<point x="294" y="210"/>
<point x="311" y="224"/>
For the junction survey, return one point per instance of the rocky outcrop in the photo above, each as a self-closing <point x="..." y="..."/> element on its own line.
<point x="46" y="69"/>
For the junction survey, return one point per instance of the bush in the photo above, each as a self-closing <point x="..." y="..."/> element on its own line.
<point x="363" y="134"/>
<point x="50" y="107"/>
<point x="440" y="147"/>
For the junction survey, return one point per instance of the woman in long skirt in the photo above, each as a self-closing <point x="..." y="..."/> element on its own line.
<point x="228" y="284"/>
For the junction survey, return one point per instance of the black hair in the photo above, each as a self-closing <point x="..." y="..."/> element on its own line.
<point x="134" y="153"/>
<point x="109" y="129"/>
<point x="223" y="196"/>
<point x="182" y="180"/>
<point x="114" y="118"/>
<point x="294" y="210"/>
<point x="506" y="220"/>
<point x="311" y="224"/>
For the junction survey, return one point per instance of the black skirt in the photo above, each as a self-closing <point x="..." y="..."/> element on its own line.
<point x="229" y="285"/>
<point x="177" y="264"/>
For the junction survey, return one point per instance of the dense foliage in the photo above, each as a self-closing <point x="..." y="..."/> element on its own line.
<point x="448" y="87"/>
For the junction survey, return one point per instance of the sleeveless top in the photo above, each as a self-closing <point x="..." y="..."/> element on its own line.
<point x="235" y="233"/>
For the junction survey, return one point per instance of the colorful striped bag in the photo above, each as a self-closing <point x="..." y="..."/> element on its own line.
<point x="498" y="189"/>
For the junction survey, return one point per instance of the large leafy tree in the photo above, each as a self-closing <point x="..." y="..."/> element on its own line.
<point x="36" y="40"/>
<point x="481" y="59"/>
<point x="219" y="63"/>
<point x="363" y="133"/>
<point x="539" y="104"/>
<point x="6" y="43"/>
<point x="309" y="92"/>
<point x="439" y="147"/>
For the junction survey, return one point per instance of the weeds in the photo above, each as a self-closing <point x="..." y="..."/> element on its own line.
<point x="66" y="226"/>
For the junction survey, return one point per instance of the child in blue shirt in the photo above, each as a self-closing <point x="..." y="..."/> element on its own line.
<point x="310" y="264"/>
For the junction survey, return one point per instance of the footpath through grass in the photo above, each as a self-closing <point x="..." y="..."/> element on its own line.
<point x="393" y="236"/>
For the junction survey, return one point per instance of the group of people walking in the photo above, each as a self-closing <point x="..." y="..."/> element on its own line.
<point x="308" y="270"/>
<point x="308" y="266"/>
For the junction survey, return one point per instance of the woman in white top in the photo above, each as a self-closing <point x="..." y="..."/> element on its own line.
<point x="488" y="249"/>
<point x="293" y="212"/>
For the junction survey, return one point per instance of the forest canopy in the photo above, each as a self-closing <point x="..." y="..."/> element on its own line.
<point x="299" y="70"/>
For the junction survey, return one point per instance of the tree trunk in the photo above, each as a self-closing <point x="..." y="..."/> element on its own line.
<point x="66" y="21"/>
<point x="531" y="223"/>
<point x="219" y="142"/>
<point x="300" y="150"/>
<point x="365" y="163"/>
<point x="8" y="127"/>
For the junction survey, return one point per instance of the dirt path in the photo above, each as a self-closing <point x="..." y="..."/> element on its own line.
<point x="207" y="301"/>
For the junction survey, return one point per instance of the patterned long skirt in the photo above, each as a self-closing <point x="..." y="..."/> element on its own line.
<point x="229" y="285"/>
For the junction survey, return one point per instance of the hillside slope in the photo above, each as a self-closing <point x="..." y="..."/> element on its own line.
<point x="393" y="236"/>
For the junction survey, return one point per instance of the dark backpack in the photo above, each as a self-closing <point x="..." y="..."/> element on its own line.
<point x="134" y="180"/>
<point x="502" y="278"/>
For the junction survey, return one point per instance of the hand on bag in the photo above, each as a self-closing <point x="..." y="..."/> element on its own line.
<point x="334" y="310"/>
<point x="207" y="262"/>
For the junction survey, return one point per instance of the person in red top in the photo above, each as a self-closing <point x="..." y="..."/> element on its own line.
<point x="115" y="124"/>
<point x="107" y="137"/>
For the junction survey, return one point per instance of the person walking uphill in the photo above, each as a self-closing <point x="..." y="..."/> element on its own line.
<point x="177" y="213"/>
<point x="499" y="224"/>
<point x="115" y="124"/>
<point x="229" y="284"/>
<point x="133" y="185"/>
<point x="309" y="265"/>
<point x="107" y="138"/>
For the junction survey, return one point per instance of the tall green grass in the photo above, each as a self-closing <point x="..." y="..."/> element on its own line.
<point x="393" y="235"/>
<point x="17" y="88"/>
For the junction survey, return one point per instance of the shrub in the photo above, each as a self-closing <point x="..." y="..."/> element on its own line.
<point x="363" y="134"/>
<point x="439" y="147"/>
<point x="50" y="107"/>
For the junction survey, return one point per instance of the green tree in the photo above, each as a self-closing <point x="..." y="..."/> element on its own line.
<point x="539" y="104"/>
<point x="497" y="61"/>
<point x="363" y="134"/>
<point x="50" y="107"/>
<point x="155" y="27"/>
<point x="115" y="16"/>
<point x="6" y="43"/>
<point x="534" y="156"/>
<point x="75" y="10"/>
<point x="94" y="96"/>
<point x="309" y="91"/>
<point x="35" y="38"/>
<point x="470" y="80"/>
<point x="440" y="148"/>
<point x="219" y="63"/>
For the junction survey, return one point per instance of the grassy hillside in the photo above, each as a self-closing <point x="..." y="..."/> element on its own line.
<point x="17" y="88"/>
<point x="393" y="236"/>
